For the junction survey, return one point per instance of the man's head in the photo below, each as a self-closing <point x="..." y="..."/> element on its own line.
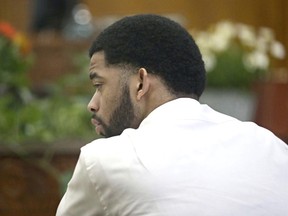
<point x="158" y="44"/>
<point x="151" y="60"/>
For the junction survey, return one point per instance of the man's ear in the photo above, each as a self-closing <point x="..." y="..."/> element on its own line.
<point x="143" y="83"/>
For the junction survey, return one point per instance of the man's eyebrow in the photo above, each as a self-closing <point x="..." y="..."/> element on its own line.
<point x="93" y="75"/>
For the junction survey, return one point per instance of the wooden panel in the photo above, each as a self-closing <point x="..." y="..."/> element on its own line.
<point x="27" y="190"/>
<point x="198" y="13"/>
<point x="272" y="108"/>
<point x="17" y="12"/>
<point x="54" y="58"/>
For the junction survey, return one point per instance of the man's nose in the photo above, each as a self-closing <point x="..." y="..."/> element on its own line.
<point x="93" y="105"/>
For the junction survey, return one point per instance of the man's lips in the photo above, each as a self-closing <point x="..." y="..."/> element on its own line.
<point x="95" y="122"/>
<point x="98" y="125"/>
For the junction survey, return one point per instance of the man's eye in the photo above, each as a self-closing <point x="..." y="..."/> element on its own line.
<point x="97" y="86"/>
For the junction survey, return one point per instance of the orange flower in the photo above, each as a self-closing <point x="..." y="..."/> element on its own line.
<point x="7" y="30"/>
<point x="18" y="39"/>
<point x="21" y="41"/>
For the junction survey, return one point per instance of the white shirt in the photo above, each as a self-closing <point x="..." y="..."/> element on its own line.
<point x="185" y="159"/>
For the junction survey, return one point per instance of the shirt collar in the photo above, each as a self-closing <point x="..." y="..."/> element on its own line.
<point x="177" y="108"/>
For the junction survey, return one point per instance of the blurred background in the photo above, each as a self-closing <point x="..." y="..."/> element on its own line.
<point x="44" y="88"/>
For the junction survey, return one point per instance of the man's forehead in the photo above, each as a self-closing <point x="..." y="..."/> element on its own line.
<point x="100" y="70"/>
<point x="97" y="58"/>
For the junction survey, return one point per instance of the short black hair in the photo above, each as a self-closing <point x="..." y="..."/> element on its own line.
<point x="158" y="44"/>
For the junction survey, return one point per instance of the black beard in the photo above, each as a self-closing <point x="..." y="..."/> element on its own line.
<point x="122" y="117"/>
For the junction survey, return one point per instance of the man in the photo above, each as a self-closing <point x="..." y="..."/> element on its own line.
<point x="164" y="153"/>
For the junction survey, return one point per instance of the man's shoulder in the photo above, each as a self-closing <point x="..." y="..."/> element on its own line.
<point x="103" y="150"/>
<point x="110" y="160"/>
<point x="114" y="143"/>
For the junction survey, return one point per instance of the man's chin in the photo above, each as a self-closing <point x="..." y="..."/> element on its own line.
<point x="100" y="130"/>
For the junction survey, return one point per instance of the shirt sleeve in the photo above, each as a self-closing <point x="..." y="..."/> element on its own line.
<point x="81" y="197"/>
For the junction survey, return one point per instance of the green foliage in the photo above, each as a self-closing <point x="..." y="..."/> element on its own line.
<point x="237" y="54"/>
<point x="231" y="72"/>
<point x="26" y="119"/>
<point x="63" y="180"/>
<point x="13" y="64"/>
